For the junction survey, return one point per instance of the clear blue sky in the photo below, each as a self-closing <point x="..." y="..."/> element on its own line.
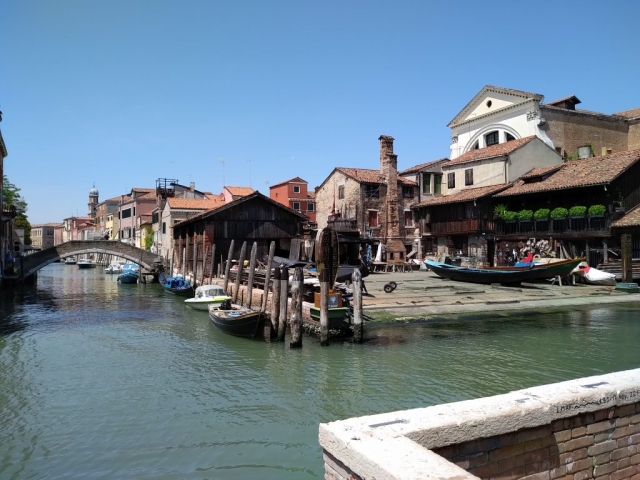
<point x="122" y="92"/>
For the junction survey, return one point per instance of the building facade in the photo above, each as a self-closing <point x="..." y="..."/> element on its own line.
<point x="44" y="235"/>
<point x="294" y="193"/>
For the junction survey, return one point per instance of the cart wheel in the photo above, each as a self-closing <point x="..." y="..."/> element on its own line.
<point x="390" y="287"/>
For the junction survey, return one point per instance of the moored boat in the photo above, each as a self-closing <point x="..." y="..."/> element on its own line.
<point x="85" y="263"/>
<point x="479" y="275"/>
<point x="70" y="261"/>
<point x="114" y="267"/>
<point x="130" y="273"/>
<point x="207" y="295"/>
<point x="236" y="320"/>
<point x="551" y="269"/>
<point x="176" y="285"/>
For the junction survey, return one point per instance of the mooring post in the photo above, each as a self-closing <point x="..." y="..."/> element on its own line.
<point x="296" y="309"/>
<point x="204" y="264"/>
<point x="324" y="307"/>
<point x="267" y="276"/>
<point x="228" y="268"/>
<point x="356" y="278"/>
<point x="196" y="247"/>
<point x="275" y="303"/>
<point x="252" y="272"/>
<point x="184" y="263"/>
<point x="284" y="302"/>
<point x="627" y="255"/>
<point x="243" y="253"/>
<point x="213" y="260"/>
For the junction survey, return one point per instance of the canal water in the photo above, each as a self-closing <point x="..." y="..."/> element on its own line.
<point x="102" y="380"/>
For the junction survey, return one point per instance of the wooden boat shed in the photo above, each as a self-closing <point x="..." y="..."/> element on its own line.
<point x="253" y="218"/>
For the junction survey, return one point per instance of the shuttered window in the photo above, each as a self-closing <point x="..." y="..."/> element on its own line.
<point x="451" y="180"/>
<point x="468" y="176"/>
<point x="373" y="218"/>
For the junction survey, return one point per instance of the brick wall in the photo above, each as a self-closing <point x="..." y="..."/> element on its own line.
<point x="604" y="444"/>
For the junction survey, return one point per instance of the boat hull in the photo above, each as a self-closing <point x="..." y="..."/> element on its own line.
<point x="551" y="270"/>
<point x="86" y="265"/>
<point x="202" y="305"/>
<point x="128" y="278"/>
<point x="239" y="323"/>
<point x="476" y="275"/>
<point x="186" y="291"/>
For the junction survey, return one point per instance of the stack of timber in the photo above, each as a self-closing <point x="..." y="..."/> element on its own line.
<point x="615" y="267"/>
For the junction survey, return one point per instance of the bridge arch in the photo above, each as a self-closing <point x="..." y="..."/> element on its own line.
<point x="147" y="260"/>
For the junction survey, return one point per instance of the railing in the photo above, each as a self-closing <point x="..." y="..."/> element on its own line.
<point x="467" y="225"/>
<point x="551" y="226"/>
<point x="343" y="225"/>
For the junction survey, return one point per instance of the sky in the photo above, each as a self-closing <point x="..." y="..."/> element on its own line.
<point x="123" y="92"/>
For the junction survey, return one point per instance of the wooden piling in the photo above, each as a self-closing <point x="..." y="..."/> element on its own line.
<point x="324" y="308"/>
<point x="213" y="261"/>
<point x="184" y="263"/>
<point x="275" y="303"/>
<point x="228" y="268"/>
<point x="356" y="285"/>
<point x="284" y="302"/>
<point x="627" y="255"/>
<point x="296" y="309"/>
<point x="204" y="263"/>
<point x="267" y="276"/>
<point x="252" y="273"/>
<point x="243" y="253"/>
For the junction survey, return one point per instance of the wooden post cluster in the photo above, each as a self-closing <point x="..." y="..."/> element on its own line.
<point x="265" y="297"/>
<point x="243" y="253"/>
<point x="627" y="255"/>
<point x="296" y="309"/>
<point x="284" y="302"/>
<point x="228" y="268"/>
<point x="356" y="278"/>
<point x="252" y="272"/>
<point x="324" y="307"/>
<point x="275" y="303"/>
<point x="213" y="261"/>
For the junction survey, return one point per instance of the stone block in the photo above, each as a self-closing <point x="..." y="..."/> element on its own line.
<point x="634" y="419"/>
<point x="510" y="475"/>
<point x="578" y="432"/>
<point x="624" y="463"/>
<point x="624" y="473"/>
<point x="624" y="452"/>
<point x="575" y="444"/>
<point x="579" y="465"/>
<point x="584" y="474"/>
<point x="635" y="460"/>
<point x="537" y="456"/>
<point x="622" y="422"/>
<point x="574" y="456"/>
<point x="601" y="426"/>
<point x="605" y="469"/>
<point x="603" y="447"/>
<point x="562" y="436"/>
<point x="506" y="452"/>
<point x="533" y="433"/>
<point x="602" y="458"/>
<point x="624" y="410"/>
<point x="626" y="431"/>
<point x="558" y="472"/>
<point x="537" y="476"/>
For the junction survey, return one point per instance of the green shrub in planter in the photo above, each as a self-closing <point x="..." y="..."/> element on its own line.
<point x="541" y="214"/>
<point x="525" y="215"/>
<point x="597" y="210"/>
<point x="508" y="216"/>
<point x="559" y="213"/>
<point x="499" y="210"/>
<point x="577" y="211"/>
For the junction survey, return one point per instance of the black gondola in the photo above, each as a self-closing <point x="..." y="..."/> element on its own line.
<point x="479" y="275"/>
<point x="176" y="286"/>
<point x="237" y="321"/>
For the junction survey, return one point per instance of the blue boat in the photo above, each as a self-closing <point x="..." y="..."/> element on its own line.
<point x="176" y="285"/>
<point x="130" y="273"/>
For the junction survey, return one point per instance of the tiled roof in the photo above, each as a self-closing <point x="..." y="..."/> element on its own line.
<point x="575" y="99"/>
<point x="143" y="190"/>
<point x="419" y="167"/>
<point x="294" y="179"/>
<point x="311" y="194"/>
<point x="466" y="195"/>
<point x="242" y="191"/>
<point x="633" y="113"/>
<point x="630" y="219"/>
<point x="498" y="150"/>
<point x="193" y="203"/>
<point x="579" y="173"/>
<point x="542" y="171"/>
<point x="365" y="175"/>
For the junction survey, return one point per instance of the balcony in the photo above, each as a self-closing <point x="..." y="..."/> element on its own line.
<point x="343" y="225"/>
<point x="455" y="227"/>
<point x="566" y="227"/>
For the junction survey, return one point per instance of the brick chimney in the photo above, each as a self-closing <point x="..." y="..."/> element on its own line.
<point x="389" y="174"/>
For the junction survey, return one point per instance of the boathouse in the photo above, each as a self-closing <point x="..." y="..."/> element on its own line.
<point x="253" y="218"/>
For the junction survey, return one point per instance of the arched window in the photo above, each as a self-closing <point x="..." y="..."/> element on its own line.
<point x="509" y="137"/>
<point x="491" y="138"/>
<point x="476" y="145"/>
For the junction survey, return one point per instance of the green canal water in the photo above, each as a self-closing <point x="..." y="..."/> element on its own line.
<point x="101" y="380"/>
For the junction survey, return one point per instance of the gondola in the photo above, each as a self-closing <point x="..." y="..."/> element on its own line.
<point x="175" y="285"/>
<point x="479" y="275"/>
<point x="551" y="270"/>
<point x="237" y="321"/>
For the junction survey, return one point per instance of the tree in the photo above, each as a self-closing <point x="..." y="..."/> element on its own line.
<point x="13" y="200"/>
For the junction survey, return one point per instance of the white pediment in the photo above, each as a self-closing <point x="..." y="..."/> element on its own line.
<point x="491" y="99"/>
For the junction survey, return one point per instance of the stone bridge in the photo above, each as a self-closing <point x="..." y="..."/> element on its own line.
<point x="148" y="261"/>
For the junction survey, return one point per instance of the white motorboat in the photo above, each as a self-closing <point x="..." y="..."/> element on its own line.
<point x="85" y="263"/>
<point x="207" y="295"/>
<point x="70" y="261"/>
<point x="114" y="267"/>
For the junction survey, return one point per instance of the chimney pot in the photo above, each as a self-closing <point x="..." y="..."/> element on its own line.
<point x="192" y="186"/>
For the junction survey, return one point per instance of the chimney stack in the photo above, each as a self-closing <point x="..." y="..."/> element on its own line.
<point x="192" y="186"/>
<point x="389" y="175"/>
<point x="386" y="149"/>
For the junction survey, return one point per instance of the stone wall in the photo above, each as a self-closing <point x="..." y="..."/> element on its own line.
<point x="576" y="430"/>
<point x="634" y="136"/>
<point x="603" y="445"/>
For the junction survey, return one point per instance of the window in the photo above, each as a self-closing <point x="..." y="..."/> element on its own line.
<point x="509" y="137"/>
<point x="371" y="191"/>
<point x="437" y="184"/>
<point x="468" y="176"/>
<point x="408" y="219"/>
<point x="426" y="183"/>
<point x="164" y="227"/>
<point x="373" y="218"/>
<point x="126" y="213"/>
<point x="451" y="180"/>
<point x="154" y="217"/>
<point x="340" y="192"/>
<point x="296" y="206"/>
<point x="491" y="138"/>
<point x="134" y="211"/>
<point x="407" y="192"/>
<point x="476" y="145"/>
<point x="296" y="189"/>
<point x="310" y="207"/>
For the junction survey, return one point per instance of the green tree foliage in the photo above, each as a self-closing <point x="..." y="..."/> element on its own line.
<point x="13" y="200"/>
<point x="148" y="241"/>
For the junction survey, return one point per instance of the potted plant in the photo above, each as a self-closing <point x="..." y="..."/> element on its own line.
<point x="525" y="218"/>
<point x="509" y="218"/>
<point x="499" y="210"/>
<point x="577" y="215"/>
<point x="559" y="217"/>
<point x="596" y="216"/>
<point x="542" y="219"/>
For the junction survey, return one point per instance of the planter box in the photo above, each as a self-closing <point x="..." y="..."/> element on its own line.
<point x="560" y="224"/>
<point x="542" y="225"/>
<point x="596" y="222"/>
<point x="578" y="223"/>
<point x="526" y="225"/>
<point x="510" y="226"/>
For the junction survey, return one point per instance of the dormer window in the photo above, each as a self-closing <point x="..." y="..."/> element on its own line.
<point x="491" y="138"/>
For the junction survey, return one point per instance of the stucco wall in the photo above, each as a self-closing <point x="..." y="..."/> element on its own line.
<point x="485" y="173"/>
<point x="533" y="155"/>
<point x="634" y="136"/>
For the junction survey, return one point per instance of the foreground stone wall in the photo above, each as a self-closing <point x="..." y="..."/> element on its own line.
<point x="603" y="444"/>
<point x="577" y="430"/>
